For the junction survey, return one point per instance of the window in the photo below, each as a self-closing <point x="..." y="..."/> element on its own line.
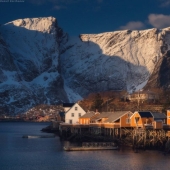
<point x="168" y="117"/>
<point x="128" y="115"/>
<point x="70" y="121"/>
<point x="72" y="115"/>
<point x="79" y="114"/>
<point x="136" y="119"/>
<point x="127" y="121"/>
<point x="76" y="108"/>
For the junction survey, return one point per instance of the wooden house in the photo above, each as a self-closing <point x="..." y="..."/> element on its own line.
<point x="159" y="116"/>
<point x="86" y="118"/>
<point x="143" y="95"/>
<point x="159" y="120"/>
<point x="120" y="118"/>
<point x="141" y="119"/>
<point x="74" y="113"/>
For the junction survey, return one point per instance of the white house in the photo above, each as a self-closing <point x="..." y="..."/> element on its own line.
<point x="72" y="115"/>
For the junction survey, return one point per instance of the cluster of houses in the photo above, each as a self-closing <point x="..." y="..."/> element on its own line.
<point x="74" y="115"/>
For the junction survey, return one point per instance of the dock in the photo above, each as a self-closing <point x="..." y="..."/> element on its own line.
<point x="92" y="146"/>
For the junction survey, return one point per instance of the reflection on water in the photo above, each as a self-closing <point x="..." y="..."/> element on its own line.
<point x="17" y="153"/>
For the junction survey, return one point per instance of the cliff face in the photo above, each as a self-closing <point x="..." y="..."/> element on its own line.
<point x="111" y="61"/>
<point x="160" y="78"/>
<point x="29" y="64"/>
<point x="40" y="64"/>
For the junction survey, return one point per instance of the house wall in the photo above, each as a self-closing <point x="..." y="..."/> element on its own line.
<point x="157" y="124"/>
<point x="104" y="119"/>
<point x="124" y="121"/>
<point x="74" y="119"/>
<point x="168" y="117"/>
<point x="133" y="121"/>
<point x="66" y="108"/>
<point x="147" y="120"/>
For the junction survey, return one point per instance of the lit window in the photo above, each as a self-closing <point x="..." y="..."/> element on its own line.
<point x="72" y="115"/>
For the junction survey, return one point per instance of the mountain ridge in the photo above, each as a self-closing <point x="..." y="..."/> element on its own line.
<point x="41" y="64"/>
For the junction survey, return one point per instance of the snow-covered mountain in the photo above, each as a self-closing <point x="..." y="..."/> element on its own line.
<point x="40" y="64"/>
<point x="30" y="69"/>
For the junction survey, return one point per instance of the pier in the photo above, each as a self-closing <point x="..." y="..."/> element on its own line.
<point x="135" y="137"/>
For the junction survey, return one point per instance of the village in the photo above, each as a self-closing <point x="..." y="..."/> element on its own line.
<point x="139" y="129"/>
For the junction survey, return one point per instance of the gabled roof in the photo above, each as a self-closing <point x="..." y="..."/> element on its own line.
<point x="157" y="115"/>
<point x="68" y="104"/>
<point x="88" y="114"/>
<point x="102" y="115"/>
<point x="72" y="107"/>
<point x="112" y="116"/>
<point x="116" y="115"/>
<point x="145" y="114"/>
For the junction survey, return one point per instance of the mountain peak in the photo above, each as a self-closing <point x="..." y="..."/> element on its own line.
<point x="42" y="24"/>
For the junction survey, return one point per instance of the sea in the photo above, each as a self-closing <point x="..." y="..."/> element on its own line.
<point x="17" y="153"/>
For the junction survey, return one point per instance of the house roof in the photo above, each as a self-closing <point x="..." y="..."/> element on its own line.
<point x="68" y="104"/>
<point x="145" y="114"/>
<point x="72" y="107"/>
<point x="112" y="116"/>
<point x="88" y="114"/>
<point x="102" y="115"/>
<point x="157" y="115"/>
<point x="115" y="116"/>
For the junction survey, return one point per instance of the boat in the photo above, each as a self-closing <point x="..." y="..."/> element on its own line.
<point x="91" y="146"/>
<point x="38" y="136"/>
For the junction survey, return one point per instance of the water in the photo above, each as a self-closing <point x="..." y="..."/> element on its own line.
<point x="17" y="153"/>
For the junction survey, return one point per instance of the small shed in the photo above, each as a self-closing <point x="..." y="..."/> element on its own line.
<point x="159" y="116"/>
<point x="157" y="124"/>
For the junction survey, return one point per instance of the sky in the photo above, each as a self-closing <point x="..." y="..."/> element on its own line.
<point x="91" y="16"/>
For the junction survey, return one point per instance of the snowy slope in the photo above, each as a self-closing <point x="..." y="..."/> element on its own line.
<point x="40" y="64"/>
<point x="33" y="45"/>
<point x="111" y="61"/>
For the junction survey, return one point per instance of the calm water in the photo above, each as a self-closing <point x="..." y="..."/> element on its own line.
<point x="17" y="153"/>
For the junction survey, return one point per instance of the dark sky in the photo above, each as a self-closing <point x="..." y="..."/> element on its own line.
<point x="91" y="16"/>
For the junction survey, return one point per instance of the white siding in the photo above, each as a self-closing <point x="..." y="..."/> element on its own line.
<point x="75" y="110"/>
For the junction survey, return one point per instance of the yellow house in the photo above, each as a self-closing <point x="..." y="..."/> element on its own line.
<point x="140" y="119"/>
<point x="168" y="117"/>
<point x="120" y="118"/>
